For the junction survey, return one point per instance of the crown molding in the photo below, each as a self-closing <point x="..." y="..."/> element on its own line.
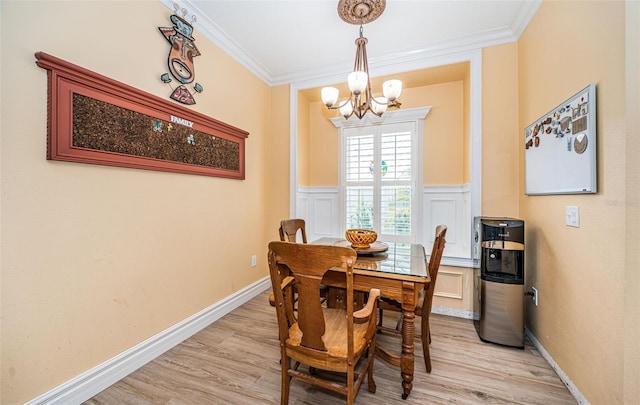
<point x="218" y="37"/>
<point x="524" y="16"/>
<point x="408" y="59"/>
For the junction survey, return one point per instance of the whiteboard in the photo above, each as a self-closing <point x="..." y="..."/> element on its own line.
<point x="560" y="148"/>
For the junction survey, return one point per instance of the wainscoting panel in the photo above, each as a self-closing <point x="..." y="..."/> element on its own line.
<point x="320" y="208"/>
<point x="454" y="292"/>
<point x="449" y="284"/>
<point x="323" y="210"/>
<point x="449" y="205"/>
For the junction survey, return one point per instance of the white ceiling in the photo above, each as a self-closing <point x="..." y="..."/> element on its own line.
<point x="289" y="41"/>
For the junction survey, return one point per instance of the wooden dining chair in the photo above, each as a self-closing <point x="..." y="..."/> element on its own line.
<point x="425" y="299"/>
<point x="289" y="231"/>
<point x="321" y="338"/>
<point x="290" y="228"/>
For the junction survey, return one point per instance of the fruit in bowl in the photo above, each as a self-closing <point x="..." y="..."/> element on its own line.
<point x="361" y="238"/>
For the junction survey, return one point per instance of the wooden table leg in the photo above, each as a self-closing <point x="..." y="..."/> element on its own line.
<point x="409" y="297"/>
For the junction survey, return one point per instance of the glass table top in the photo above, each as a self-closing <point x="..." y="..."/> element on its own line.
<point x="400" y="258"/>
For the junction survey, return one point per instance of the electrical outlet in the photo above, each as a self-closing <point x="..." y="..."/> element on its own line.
<point x="254" y="260"/>
<point x="534" y="296"/>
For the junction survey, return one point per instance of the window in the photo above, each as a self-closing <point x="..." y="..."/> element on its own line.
<point x="379" y="179"/>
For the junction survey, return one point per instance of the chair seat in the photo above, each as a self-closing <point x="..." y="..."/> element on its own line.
<point x="335" y="336"/>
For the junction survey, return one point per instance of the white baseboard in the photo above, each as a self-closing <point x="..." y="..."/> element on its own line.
<point x="577" y="395"/>
<point x="90" y="383"/>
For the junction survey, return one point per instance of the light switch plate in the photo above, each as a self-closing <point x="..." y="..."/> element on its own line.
<point x="572" y="216"/>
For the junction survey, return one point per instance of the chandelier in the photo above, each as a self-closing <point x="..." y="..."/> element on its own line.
<point x="361" y="99"/>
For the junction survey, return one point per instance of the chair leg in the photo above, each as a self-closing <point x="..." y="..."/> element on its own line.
<point x="286" y="380"/>
<point x="371" y="385"/>
<point x="351" y="396"/>
<point x="426" y="340"/>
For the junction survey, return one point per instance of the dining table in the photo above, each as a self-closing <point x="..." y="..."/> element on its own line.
<point x="399" y="271"/>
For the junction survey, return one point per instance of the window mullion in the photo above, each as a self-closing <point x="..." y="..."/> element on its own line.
<point x="377" y="179"/>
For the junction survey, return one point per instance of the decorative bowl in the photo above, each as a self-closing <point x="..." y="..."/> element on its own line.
<point x="361" y="238"/>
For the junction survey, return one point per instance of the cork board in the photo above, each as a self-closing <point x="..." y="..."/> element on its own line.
<point x="94" y="119"/>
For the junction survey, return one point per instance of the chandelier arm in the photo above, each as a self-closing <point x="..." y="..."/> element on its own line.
<point x="337" y="107"/>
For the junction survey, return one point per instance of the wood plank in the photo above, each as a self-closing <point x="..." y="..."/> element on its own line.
<point x="236" y="361"/>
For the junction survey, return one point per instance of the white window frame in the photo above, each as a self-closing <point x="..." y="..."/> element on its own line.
<point x="413" y="116"/>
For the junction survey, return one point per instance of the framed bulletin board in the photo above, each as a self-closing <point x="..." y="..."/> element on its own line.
<point x="560" y="148"/>
<point x="95" y="119"/>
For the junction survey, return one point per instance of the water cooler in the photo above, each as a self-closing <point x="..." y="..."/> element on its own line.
<point x="499" y="282"/>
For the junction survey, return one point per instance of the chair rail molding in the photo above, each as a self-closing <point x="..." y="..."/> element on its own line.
<point x="449" y="205"/>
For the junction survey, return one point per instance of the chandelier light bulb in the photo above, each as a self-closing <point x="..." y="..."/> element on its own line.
<point x="379" y="105"/>
<point x="347" y="109"/>
<point x="329" y="95"/>
<point x="392" y="89"/>
<point x="357" y="81"/>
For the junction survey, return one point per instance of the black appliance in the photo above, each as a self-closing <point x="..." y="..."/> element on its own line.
<point x="499" y="282"/>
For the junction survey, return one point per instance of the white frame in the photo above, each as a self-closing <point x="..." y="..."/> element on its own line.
<point x="416" y="167"/>
<point x="552" y="163"/>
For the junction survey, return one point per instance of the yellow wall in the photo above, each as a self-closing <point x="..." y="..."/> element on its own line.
<point x="96" y="259"/>
<point x="500" y="133"/>
<point x="580" y="272"/>
<point x="278" y="154"/>
<point x="322" y="160"/>
<point x="303" y="140"/>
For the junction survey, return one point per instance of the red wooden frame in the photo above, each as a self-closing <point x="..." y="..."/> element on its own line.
<point x="66" y="79"/>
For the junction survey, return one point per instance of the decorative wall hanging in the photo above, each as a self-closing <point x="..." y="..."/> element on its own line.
<point x="560" y="148"/>
<point x="182" y="50"/>
<point x="95" y="119"/>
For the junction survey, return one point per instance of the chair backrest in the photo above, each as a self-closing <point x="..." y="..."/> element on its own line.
<point x="289" y="230"/>
<point x="304" y="265"/>
<point x="434" y="265"/>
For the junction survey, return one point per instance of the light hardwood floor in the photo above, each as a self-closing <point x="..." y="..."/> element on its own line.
<point x="235" y="361"/>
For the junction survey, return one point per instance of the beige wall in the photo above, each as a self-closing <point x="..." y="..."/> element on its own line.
<point x="96" y="259"/>
<point x="580" y="272"/>
<point x="632" y="234"/>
